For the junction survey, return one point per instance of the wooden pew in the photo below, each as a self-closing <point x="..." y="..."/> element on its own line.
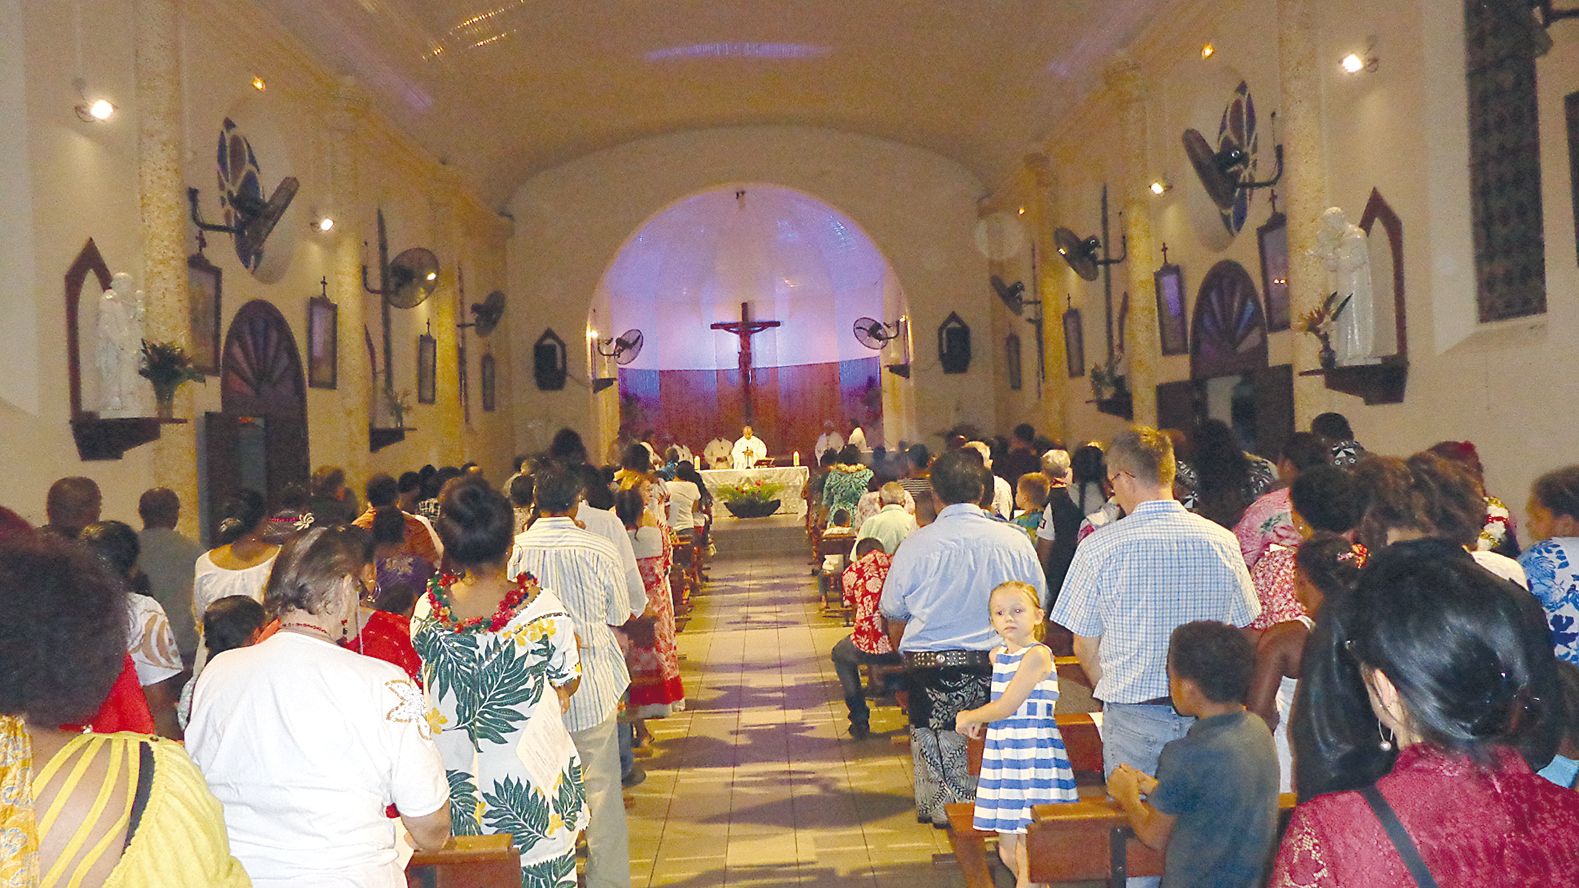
<point x="467" y="862"/>
<point x="832" y="587"/>
<point x="1083" y="841"/>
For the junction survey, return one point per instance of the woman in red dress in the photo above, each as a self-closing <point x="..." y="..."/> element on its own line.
<point x="1461" y="684"/>
<point x="652" y="658"/>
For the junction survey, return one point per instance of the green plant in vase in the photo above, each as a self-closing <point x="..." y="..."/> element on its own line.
<point x="168" y="367"/>
<point x="753" y="498"/>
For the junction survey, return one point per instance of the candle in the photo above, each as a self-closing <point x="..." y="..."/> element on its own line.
<point x="797" y="457"/>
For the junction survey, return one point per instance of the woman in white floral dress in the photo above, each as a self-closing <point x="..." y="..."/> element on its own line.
<point x="499" y="665"/>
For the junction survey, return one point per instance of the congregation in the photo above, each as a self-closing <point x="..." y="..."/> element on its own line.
<point x="458" y="657"/>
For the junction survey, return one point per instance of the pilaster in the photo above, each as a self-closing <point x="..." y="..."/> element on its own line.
<point x="1304" y="190"/>
<point x="1141" y="346"/>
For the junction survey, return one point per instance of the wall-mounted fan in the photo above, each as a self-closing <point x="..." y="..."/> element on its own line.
<point x="487" y="314"/>
<point x="413" y="276"/>
<point x="624" y="348"/>
<point x="1013" y="295"/>
<point x="1085" y="255"/>
<point x="1224" y="171"/>
<point x="256" y="218"/>
<point x="874" y="334"/>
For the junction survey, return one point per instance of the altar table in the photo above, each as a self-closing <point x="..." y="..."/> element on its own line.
<point x="792" y="480"/>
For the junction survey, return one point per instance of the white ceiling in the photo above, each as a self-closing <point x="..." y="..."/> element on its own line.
<point x="506" y="88"/>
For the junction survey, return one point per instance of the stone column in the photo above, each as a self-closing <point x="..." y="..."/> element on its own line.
<point x="444" y="203"/>
<point x="162" y="203"/>
<point x="354" y="376"/>
<point x="1039" y="214"/>
<point x="1303" y="189"/>
<point x="1140" y="340"/>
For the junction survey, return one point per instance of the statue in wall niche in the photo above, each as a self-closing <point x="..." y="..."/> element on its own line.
<point x="120" y="348"/>
<point x="1343" y="247"/>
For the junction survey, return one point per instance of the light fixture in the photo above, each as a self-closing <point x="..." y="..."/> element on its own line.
<point x="258" y="83"/>
<point x="1161" y="186"/>
<point x="1207" y="50"/>
<point x="433" y="276"/>
<point x="324" y="223"/>
<point x="1357" y="62"/>
<point x="1022" y="211"/>
<point x="95" y="110"/>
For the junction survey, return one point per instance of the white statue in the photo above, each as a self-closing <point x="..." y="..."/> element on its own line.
<point x="120" y="348"/>
<point x="1344" y="249"/>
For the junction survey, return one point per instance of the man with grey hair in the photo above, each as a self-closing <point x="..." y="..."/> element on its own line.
<point x="892" y="523"/>
<point x="1132" y="583"/>
<point x="1059" y="529"/>
<point x="1002" y="493"/>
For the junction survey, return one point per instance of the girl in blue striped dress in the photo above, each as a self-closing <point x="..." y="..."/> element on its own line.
<point x="1024" y="762"/>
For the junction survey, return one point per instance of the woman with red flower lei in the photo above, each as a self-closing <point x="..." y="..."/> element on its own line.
<point x="499" y="665"/>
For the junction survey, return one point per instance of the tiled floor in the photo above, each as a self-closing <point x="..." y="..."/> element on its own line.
<point x="757" y="783"/>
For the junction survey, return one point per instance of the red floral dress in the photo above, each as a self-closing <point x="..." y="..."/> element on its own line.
<point x="655" y="688"/>
<point x="1273" y="577"/>
<point x="863" y="589"/>
<point x="1499" y="825"/>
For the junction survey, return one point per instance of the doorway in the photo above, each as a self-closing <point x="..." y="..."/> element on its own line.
<point x="258" y="439"/>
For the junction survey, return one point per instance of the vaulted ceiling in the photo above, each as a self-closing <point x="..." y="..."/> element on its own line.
<point x="506" y="88"/>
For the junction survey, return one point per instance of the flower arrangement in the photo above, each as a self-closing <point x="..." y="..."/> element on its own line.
<point x="168" y="367"/>
<point x="1106" y="381"/>
<point x="1319" y="321"/>
<point x="750" y="493"/>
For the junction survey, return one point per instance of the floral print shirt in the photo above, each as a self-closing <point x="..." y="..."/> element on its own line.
<point x="1267" y="522"/>
<point x="1553" y="570"/>
<point x="863" y="589"/>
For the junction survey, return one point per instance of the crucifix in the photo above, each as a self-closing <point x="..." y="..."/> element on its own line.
<point x="746" y="328"/>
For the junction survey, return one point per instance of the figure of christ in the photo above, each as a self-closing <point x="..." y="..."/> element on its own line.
<point x="745" y="328"/>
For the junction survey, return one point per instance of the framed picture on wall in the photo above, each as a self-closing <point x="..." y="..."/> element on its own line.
<point x="203" y="280"/>
<point x="1074" y="344"/>
<point x="427" y="369"/>
<point x="1011" y="353"/>
<point x="487" y="373"/>
<point x="1273" y="237"/>
<point x="323" y="339"/>
<point x="1172" y="326"/>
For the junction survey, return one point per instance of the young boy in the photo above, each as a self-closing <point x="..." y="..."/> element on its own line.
<point x="1212" y="808"/>
<point x="1030" y="498"/>
<point x="868" y="639"/>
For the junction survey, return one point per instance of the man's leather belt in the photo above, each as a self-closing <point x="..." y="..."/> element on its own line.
<point x="940" y="659"/>
<point x="1156" y="701"/>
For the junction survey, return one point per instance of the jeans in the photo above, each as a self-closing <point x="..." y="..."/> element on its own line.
<point x="1134" y="734"/>
<point x="608" y="838"/>
<point x="847" y="660"/>
<point x="626" y="734"/>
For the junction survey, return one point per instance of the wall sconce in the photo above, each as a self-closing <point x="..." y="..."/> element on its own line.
<point x="1160" y="186"/>
<point x="323" y="223"/>
<point x="1358" y="62"/>
<point x="1207" y="50"/>
<point x="95" y="110"/>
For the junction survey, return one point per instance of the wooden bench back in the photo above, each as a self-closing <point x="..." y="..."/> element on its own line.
<point x="470" y="862"/>
<point x="1081" y="739"/>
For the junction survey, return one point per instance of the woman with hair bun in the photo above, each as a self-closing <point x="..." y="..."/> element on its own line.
<point x="1441" y="693"/>
<point x="240" y="563"/>
<point x="499" y="663"/>
<point x="307" y="744"/>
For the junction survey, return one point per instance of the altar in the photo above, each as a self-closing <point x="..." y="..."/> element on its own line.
<point x="791" y="480"/>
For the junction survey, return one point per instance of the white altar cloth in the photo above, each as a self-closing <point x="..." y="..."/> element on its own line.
<point x="791" y="478"/>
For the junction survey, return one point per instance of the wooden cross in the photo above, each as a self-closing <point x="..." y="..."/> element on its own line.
<point x="745" y="328"/>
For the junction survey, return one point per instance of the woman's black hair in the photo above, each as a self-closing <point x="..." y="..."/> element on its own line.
<point x="389" y="526"/>
<point x="568" y="446"/>
<point x="1328" y="498"/>
<point x="595" y="487"/>
<point x="636" y="458"/>
<point x="63" y="639"/>
<point x="242" y="513"/>
<point x="628" y="505"/>
<point x="829" y="458"/>
<point x="1329" y="562"/>
<point x="1558" y="491"/>
<point x="1305" y="451"/>
<point x="1392" y="502"/>
<point x="115" y="543"/>
<point x="521" y="491"/>
<point x="476" y="523"/>
<point x="688" y="472"/>
<point x="1223" y="473"/>
<point x="1469" y="653"/>
<point x="850" y="455"/>
<point x="1454" y="505"/>
<point x="1332" y="426"/>
<point x="294" y="496"/>
<point x="230" y="622"/>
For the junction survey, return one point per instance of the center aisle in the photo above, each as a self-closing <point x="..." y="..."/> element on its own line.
<point x="758" y="783"/>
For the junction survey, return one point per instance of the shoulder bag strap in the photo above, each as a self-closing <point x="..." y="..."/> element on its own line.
<point x="1400" y="837"/>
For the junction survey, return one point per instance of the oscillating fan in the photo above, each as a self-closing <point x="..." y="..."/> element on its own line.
<point x="487" y="314"/>
<point x="256" y="217"/>
<point x="1081" y="253"/>
<point x="874" y="334"/>
<point x="627" y="347"/>
<point x="413" y="276"/>
<point x="1223" y="170"/>
<point x="1013" y="295"/>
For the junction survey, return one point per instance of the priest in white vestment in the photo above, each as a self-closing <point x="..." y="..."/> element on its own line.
<point x="857" y="436"/>
<point x="828" y="440"/>
<point x="748" y="449"/>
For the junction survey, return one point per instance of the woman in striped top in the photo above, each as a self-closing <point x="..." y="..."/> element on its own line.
<point x="1024" y="762"/>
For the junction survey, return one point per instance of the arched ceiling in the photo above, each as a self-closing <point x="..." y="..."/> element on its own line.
<point x="503" y="89"/>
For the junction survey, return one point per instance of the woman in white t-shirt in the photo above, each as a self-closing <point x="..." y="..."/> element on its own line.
<point x="306" y="743"/>
<point x="149" y="638"/>
<point x="239" y="565"/>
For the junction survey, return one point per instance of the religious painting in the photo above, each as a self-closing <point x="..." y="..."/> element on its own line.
<point x="487" y="372"/>
<point x="1273" y="237"/>
<point x="1074" y="344"/>
<point x="1011" y="353"/>
<point x="323" y="338"/>
<point x="203" y="280"/>
<point x="1172" y="326"/>
<point x="427" y="369"/>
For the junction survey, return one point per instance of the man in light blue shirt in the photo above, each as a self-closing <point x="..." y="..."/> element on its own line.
<point x="892" y="523"/>
<point x="935" y="599"/>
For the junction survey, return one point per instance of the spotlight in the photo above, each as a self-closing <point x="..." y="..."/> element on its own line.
<point x="1207" y="51"/>
<point x="1355" y="62"/>
<point x="96" y="111"/>
<point x="1161" y="186"/>
<point x="433" y="275"/>
<point x="1022" y="211"/>
<point x="324" y="224"/>
<point x="1352" y="63"/>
